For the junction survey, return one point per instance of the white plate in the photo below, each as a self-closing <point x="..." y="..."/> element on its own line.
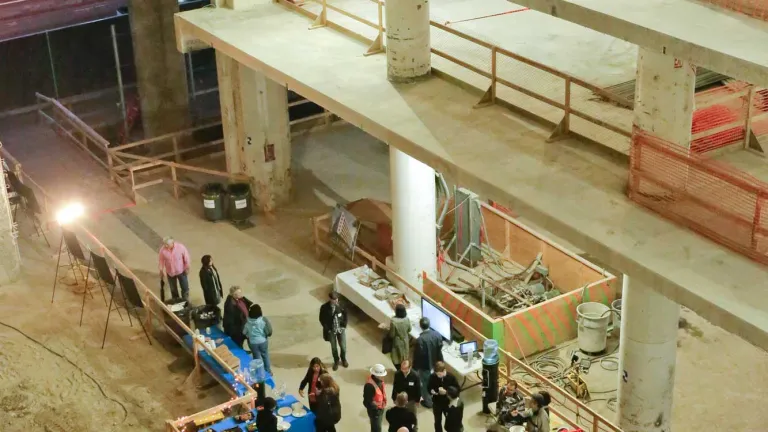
<point x="299" y="413"/>
<point x="284" y="426"/>
<point x="284" y="411"/>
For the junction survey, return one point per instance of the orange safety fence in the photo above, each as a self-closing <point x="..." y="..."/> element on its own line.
<point x="754" y="8"/>
<point x="720" y="118"/>
<point x="704" y="195"/>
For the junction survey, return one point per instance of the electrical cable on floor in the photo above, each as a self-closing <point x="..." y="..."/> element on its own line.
<point x="98" y="385"/>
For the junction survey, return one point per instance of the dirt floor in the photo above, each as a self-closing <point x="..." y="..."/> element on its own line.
<point x="132" y="385"/>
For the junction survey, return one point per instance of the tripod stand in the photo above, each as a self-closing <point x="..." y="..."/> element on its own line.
<point x="74" y="255"/>
<point x="103" y="277"/>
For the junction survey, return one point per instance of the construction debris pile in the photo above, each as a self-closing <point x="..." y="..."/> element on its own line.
<point x="504" y="289"/>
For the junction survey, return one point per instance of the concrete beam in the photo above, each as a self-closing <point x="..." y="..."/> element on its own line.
<point x="723" y="41"/>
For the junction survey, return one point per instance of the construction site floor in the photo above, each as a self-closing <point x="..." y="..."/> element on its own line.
<point x="276" y="266"/>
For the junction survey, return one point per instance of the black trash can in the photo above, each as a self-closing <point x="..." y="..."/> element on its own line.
<point x="213" y="201"/>
<point x="239" y="202"/>
<point x="206" y="316"/>
<point x="182" y="311"/>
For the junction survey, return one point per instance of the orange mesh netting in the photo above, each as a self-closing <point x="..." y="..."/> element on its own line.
<point x="720" y="117"/>
<point x="754" y="8"/>
<point x="707" y="196"/>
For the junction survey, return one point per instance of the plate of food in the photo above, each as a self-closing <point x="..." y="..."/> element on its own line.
<point x="244" y="417"/>
<point x="284" y="411"/>
<point x="299" y="413"/>
<point x="283" y="426"/>
<point x="252" y="427"/>
<point x="297" y="405"/>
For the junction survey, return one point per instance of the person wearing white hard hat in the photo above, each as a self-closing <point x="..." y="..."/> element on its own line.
<point x="375" y="396"/>
<point x="173" y="262"/>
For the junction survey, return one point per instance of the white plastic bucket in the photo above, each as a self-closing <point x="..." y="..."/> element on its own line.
<point x="592" y="319"/>
<point x="616" y="309"/>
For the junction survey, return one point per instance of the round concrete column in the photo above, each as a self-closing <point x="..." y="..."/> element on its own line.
<point x="649" y="325"/>
<point x="414" y="236"/>
<point x="408" y="55"/>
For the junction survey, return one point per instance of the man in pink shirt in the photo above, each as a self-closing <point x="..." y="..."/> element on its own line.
<point x="174" y="264"/>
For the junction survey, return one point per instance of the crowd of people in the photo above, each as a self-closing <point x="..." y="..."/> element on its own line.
<point x="419" y="380"/>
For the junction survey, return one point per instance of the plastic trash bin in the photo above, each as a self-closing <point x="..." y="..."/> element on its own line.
<point x="182" y="311"/>
<point x="213" y="201"/>
<point x="239" y="202"/>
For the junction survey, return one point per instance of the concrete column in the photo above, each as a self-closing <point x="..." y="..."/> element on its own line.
<point x="257" y="134"/>
<point x="10" y="260"/>
<point x="664" y="94"/>
<point x="647" y="357"/>
<point x="160" y="68"/>
<point x="408" y="48"/>
<point x="414" y="234"/>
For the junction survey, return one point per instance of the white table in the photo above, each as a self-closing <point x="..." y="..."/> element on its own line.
<point x="362" y="296"/>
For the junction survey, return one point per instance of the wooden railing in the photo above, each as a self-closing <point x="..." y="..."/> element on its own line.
<point x="154" y="306"/>
<point x="496" y="77"/>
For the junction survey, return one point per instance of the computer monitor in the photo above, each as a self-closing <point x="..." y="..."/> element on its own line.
<point x="468" y="347"/>
<point x="439" y="321"/>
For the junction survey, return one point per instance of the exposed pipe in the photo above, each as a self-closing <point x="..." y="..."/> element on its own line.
<point x="119" y="80"/>
<point x="53" y="67"/>
<point x="447" y="193"/>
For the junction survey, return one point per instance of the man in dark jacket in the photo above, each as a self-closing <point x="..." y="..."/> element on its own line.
<point x="210" y="282"/>
<point x="454" y="416"/>
<point x="333" y="318"/>
<point x="236" y="314"/>
<point x="439" y="383"/>
<point x="429" y="350"/>
<point x="407" y="381"/>
<point x="400" y="416"/>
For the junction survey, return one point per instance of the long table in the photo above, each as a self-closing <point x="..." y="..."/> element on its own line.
<point x="215" y="369"/>
<point x="348" y="285"/>
<point x="298" y="424"/>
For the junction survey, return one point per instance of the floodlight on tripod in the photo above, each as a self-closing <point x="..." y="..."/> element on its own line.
<point x="68" y="241"/>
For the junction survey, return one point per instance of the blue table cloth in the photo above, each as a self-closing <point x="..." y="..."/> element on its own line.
<point x="239" y="352"/>
<point x="302" y="424"/>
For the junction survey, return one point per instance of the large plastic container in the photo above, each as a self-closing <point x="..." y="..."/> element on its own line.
<point x="257" y="371"/>
<point x="213" y="201"/>
<point x="490" y="351"/>
<point x="592" y="319"/>
<point x="182" y="311"/>
<point x="239" y="202"/>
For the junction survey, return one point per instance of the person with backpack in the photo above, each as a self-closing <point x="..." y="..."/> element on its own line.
<point x="327" y="404"/>
<point x="258" y="329"/>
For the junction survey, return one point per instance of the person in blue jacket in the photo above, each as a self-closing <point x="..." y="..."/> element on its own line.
<point x="258" y="330"/>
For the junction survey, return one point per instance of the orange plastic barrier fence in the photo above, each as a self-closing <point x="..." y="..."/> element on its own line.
<point x="709" y="197"/>
<point x="754" y="8"/>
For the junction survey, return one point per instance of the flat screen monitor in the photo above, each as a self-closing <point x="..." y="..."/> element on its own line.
<point x="439" y="321"/>
<point x="468" y="347"/>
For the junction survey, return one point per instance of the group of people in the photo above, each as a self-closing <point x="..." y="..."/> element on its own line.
<point x="423" y="380"/>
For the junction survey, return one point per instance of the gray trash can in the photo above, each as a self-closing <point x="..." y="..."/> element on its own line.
<point x="213" y="201"/>
<point x="239" y="202"/>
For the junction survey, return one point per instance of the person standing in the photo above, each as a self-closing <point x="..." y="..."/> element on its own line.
<point x="258" y="330"/>
<point x="210" y="282"/>
<point x="454" y="416"/>
<point x="235" y="315"/>
<point x="328" y="413"/>
<point x="400" y="416"/>
<point x="311" y="379"/>
<point x="408" y="382"/>
<point x="400" y="332"/>
<point x="173" y="262"/>
<point x="374" y="396"/>
<point x="429" y="350"/>
<point x="333" y="318"/>
<point x="439" y="382"/>
<point x="265" y="418"/>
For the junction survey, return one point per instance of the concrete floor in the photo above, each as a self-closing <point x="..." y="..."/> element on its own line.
<point x="277" y="268"/>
